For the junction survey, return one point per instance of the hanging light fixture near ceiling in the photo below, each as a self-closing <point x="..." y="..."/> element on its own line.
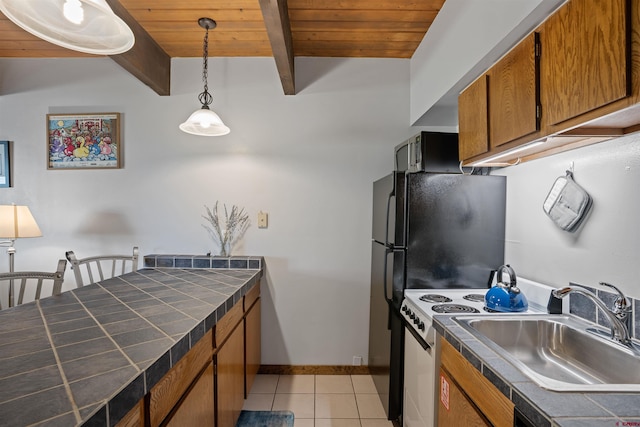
<point x="205" y="122"/>
<point x="88" y="26"/>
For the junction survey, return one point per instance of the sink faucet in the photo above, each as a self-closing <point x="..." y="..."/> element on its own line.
<point x="619" y="317"/>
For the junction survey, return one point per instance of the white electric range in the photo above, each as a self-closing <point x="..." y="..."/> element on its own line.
<point x="421" y="347"/>
<point x="420" y="305"/>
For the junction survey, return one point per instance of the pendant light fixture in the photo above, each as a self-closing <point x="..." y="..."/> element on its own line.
<point x="88" y="26"/>
<point x="205" y="122"/>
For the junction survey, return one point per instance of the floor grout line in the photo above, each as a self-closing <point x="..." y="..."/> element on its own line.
<point x="358" y="421"/>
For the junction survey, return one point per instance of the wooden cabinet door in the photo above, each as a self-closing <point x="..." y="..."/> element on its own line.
<point x="454" y="408"/>
<point x="252" y="345"/>
<point x="513" y="94"/>
<point x="584" y="62"/>
<point x="494" y="405"/>
<point x="166" y="394"/>
<point x="134" y="418"/>
<point x="230" y="378"/>
<point x="473" y="119"/>
<point x="197" y="408"/>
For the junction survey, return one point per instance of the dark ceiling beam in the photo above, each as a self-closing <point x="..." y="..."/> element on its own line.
<point x="146" y="60"/>
<point x="276" y="19"/>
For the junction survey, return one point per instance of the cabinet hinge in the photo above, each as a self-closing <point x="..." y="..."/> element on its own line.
<point x="538" y="49"/>
<point x="538" y="111"/>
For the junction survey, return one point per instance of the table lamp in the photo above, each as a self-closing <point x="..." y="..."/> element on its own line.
<point x="16" y="222"/>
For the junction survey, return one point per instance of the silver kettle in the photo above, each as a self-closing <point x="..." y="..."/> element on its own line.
<point x="506" y="297"/>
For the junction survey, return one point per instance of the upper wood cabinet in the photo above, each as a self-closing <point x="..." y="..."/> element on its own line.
<point x="473" y="119"/>
<point x="585" y="58"/>
<point x="513" y="94"/>
<point x="502" y="105"/>
<point x="575" y="78"/>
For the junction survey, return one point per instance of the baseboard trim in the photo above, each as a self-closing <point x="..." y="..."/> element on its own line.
<point x="313" y="370"/>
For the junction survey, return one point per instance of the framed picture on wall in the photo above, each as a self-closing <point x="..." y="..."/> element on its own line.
<point x="5" y="164"/>
<point x="84" y="141"/>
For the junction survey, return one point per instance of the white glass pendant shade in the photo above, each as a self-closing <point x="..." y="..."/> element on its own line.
<point x="204" y="122"/>
<point x="88" y="26"/>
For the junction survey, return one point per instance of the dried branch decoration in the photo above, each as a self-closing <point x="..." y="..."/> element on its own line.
<point x="226" y="234"/>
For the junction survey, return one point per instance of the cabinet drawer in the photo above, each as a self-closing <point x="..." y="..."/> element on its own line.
<point x="228" y="322"/>
<point x="165" y="394"/>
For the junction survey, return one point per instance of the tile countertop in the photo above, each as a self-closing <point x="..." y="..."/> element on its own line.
<point x="544" y="408"/>
<point x="87" y="356"/>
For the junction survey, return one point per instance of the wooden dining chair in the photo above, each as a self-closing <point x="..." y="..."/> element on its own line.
<point x="28" y="280"/>
<point x="101" y="267"/>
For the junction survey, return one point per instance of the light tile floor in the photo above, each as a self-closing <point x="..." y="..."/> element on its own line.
<point x="320" y="400"/>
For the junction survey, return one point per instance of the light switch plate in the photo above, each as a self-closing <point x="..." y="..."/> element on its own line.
<point x="263" y="219"/>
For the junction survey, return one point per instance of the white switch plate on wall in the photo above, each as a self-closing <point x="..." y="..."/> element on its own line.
<point x="263" y="219"/>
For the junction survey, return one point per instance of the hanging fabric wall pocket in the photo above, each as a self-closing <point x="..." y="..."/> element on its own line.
<point x="567" y="203"/>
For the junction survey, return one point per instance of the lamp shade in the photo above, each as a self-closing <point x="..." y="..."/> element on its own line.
<point x="88" y="26"/>
<point x="204" y="122"/>
<point x="17" y="222"/>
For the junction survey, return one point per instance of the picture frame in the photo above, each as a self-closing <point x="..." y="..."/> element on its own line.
<point x="5" y="164"/>
<point x="84" y="141"/>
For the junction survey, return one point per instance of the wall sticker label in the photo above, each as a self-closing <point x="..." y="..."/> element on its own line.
<point x="444" y="391"/>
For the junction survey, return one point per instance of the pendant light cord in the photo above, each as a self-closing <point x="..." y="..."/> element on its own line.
<point x="205" y="97"/>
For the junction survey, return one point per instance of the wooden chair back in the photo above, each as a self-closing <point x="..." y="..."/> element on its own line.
<point x="101" y="267"/>
<point x="32" y="280"/>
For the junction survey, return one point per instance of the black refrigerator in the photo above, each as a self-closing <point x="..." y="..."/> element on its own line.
<point x="431" y="231"/>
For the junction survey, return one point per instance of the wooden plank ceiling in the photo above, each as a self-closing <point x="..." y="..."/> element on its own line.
<point x="283" y="29"/>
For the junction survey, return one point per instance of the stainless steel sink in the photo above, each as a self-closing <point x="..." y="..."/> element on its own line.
<point x="559" y="352"/>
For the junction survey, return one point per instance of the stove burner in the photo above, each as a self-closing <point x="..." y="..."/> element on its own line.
<point x="474" y="297"/>
<point x="490" y="310"/>
<point x="454" y="309"/>
<point x="434" y="298"/>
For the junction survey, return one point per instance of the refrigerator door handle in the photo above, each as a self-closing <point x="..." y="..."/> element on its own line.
<point x="387" y="251"/>
<point x="386" y="228"/>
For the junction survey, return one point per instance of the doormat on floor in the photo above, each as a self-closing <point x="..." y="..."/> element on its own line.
<point x="265" y="419"/>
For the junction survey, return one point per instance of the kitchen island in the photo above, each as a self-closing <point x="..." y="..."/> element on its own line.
<point x="90" y="355"/>
<point x="541" y="407"/>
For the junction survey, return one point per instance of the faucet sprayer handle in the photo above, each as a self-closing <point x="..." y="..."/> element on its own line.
<point x="622" y="303"/>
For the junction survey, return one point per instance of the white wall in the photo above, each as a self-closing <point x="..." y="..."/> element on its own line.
<point x="308" y="160"/>
<point x="607" y="245"/>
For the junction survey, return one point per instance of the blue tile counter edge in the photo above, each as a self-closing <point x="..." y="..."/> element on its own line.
<point x="113" y="341"/>
<point x="543" y="408"/>
<point x="203" y="261"/>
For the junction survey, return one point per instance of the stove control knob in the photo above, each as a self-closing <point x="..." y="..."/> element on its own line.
<point x="412" y="315"/>
<point x="404" y="308"/>
<point x="416" y="320"/>
<point x="421" y="325"/>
